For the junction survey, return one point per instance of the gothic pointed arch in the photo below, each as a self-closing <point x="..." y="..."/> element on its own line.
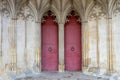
<point x="25" y="26"/>
<point x="96" y="19"/>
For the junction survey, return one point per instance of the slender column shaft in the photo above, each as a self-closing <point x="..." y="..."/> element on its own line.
<point x="25" y="47"/>
<point x="61" y="47"/>
<point x="110" y="46"/>
<point x="85" y="41"/>
<point x="13" y="46"/>
<point x="97" y="40"/>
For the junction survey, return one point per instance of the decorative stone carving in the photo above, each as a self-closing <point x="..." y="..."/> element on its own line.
<point x="66" y="21"/>
<point x="96" y="12"/>
<point x="26" y="13"/>
<point x="21" y="16"/>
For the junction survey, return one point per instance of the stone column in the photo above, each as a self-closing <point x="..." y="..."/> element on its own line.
<point x="61" y="47"/>
<point x="110" y="47"/>
<point x="38" y="45"/>
<point x="85" y="46"/>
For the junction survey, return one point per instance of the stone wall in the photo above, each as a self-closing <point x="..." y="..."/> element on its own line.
<point x="20" y="35"/>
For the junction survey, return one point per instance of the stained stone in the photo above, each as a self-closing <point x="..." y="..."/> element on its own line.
<point x="65" y="76"/>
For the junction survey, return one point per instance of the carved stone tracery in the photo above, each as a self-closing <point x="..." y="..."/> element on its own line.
<point x="49" y="13"/>
<point x="71" y="14"/>
<point x="26" y="13"/>
<point x="97" y="12"/>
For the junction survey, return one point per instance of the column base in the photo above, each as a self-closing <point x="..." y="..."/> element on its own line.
<point x="84" y="68"/>
<point x="110" y="72"/>
<point x="61" y="67"/>
<point x="40" y="68"/>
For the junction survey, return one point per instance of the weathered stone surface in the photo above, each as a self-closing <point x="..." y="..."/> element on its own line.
<point x="65" y="76"/>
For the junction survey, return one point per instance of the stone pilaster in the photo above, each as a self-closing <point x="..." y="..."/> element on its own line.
<point x="38" y="45"/>
<point x="61" y="47"/>
<point x="85" y="46"/>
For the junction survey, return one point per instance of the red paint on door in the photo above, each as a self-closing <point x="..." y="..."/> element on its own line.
<point x="49" y="44"/>
<point x="73" y="45"/>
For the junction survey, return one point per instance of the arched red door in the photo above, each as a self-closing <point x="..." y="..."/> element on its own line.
<point x="49" y="44"/>
<point x="73" y="45"/>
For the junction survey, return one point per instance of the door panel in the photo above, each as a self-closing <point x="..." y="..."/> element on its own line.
<point x="49" y="45"/>
<point x="73" y="46"/>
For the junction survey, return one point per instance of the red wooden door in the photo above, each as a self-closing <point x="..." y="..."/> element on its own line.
<point x="49" y="45"/>
<point x="73" y="46"/>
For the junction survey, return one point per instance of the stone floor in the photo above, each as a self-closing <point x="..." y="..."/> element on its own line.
<point x="63" y="76"/>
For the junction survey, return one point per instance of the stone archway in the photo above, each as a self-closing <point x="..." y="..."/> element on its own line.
<point x="73" y="43"/>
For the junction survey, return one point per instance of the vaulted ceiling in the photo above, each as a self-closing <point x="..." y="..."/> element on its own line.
<point x="61" y="8"/>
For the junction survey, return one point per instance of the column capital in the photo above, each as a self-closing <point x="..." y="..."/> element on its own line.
<point x="85" y="21"/>
<point x="109" y="18"/>
<point x="14" y="18"/>
<point x="61" y="23"/>
<point x="37" y="21"/>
